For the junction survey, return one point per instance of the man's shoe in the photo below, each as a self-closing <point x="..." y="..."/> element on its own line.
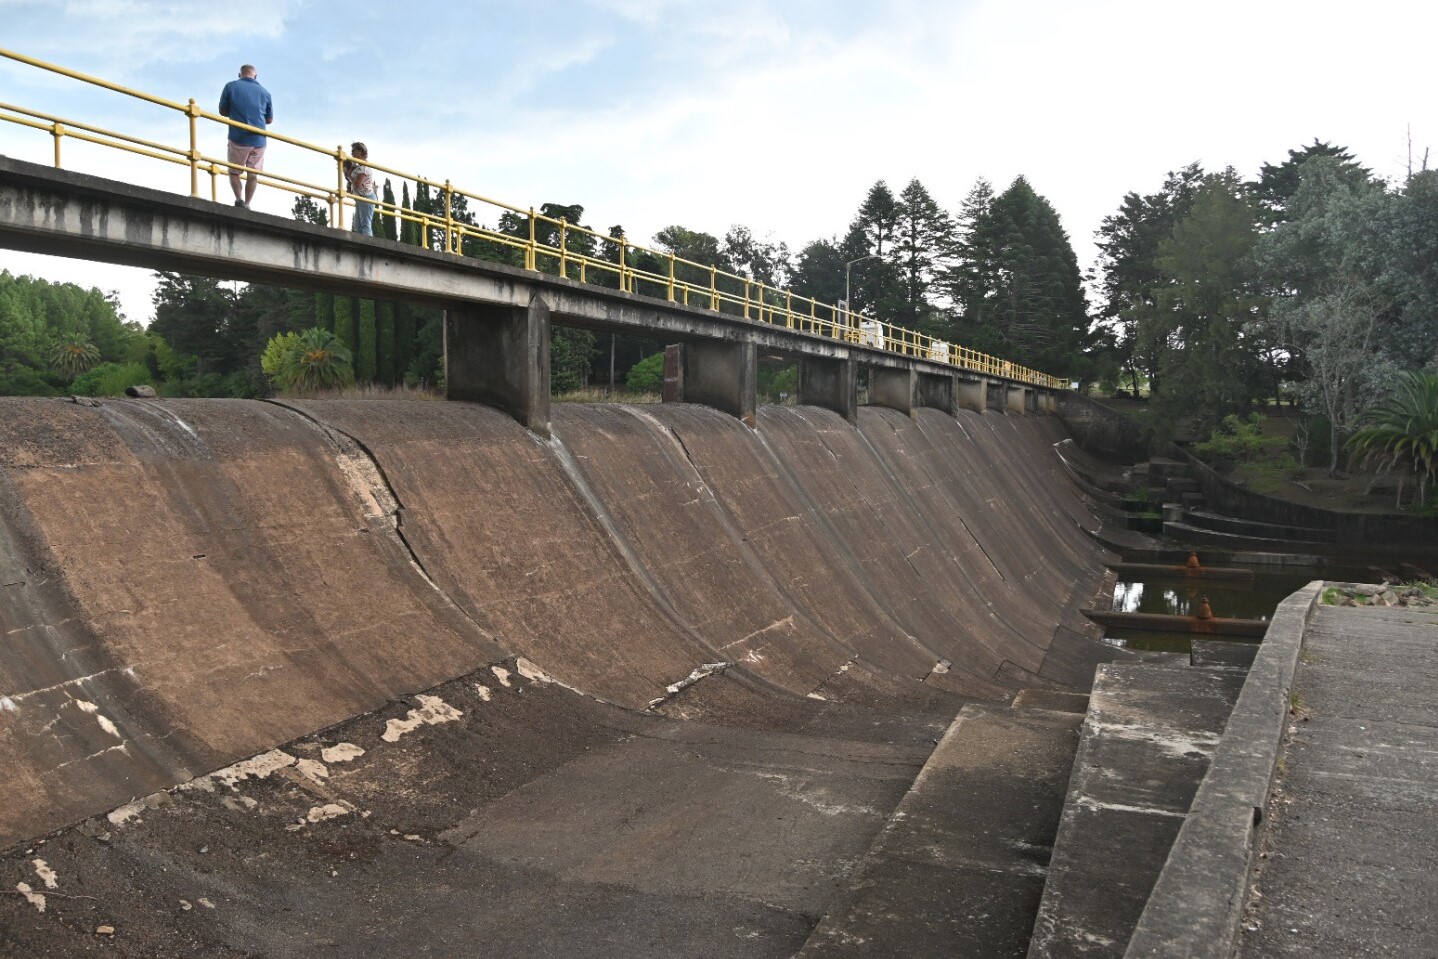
<point x="241" y="204"/>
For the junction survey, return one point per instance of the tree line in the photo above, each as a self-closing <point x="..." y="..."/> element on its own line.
<point x="1313" y="282"/>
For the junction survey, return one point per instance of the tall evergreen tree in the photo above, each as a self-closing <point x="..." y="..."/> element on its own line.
<point x="1277" y="183"/>
<point x="875" y="287"/>
<point x="1200" y="324"/>
<point x="1040" y="311"/>
<point x="385" y="344"/>
<point x="387" y="215"/>
<point x="345" y="330"/>
<point x="367" y="338"/>
<point x="971" y="279"/>
<point x="1128" y="243"/>
<point x="923" y="238"/>
<point x="408" y="229"/>
<point x="324" y="312"/>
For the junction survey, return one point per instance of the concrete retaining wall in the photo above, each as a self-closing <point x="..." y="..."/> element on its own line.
<point x="1198" y="900"/>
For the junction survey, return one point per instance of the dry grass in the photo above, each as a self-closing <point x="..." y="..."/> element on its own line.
<point x="372" y="391"/>
<point x="601" y="395"/>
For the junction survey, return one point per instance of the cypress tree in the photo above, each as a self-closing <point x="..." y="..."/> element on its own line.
<point x="405" y="330"/>
<point x="324" y="315"/>
<point x="365" y="359"/>
<point x="345" y="322"/>
<point x="384" y="346"/>
<point x="407" y="230"/>
<point x="387" y="216"/>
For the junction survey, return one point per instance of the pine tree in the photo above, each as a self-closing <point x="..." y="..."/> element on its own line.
<point x="923" y="237"/>
<point x="365" y="359"/>
<point x="971" y="279"/>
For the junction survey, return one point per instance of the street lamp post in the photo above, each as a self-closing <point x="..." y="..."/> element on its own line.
<point x="848" y="319"/>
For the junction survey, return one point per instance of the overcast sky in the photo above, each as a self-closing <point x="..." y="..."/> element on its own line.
<point x="775" y="114"/>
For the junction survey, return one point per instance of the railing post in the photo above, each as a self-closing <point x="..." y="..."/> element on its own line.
<point x="671" y="277"/>
<point x="340" y="192"/>
<point x="789" y="309"/>
<point x="449" y="217"/>
<point x="57" y="132"/>
<point x="746" y="299"/>
<point x="193" y="112"/>
<point x="530" y="257"/>
<point x="714" y="288"/>
<point x="623" y="280"/>
<point x="564" y="248"/>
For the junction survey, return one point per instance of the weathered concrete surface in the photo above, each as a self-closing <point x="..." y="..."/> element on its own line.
<point x="1147" y="740"/>
<point x="192" y="582"/>
<point x="1351" y="843"/>
<point x="1195" y="904"/>
<point x="521" y="819"/>
<point x="218" y="577"/>
<point x="959" y="868"/>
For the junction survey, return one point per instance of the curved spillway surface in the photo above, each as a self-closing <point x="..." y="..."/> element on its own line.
<point x="187" y="584"/>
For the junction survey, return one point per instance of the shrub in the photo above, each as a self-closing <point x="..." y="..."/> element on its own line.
<point x="646" y="376"/>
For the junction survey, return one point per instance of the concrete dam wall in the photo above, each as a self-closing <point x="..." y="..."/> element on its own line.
<point x="187" y="583"/>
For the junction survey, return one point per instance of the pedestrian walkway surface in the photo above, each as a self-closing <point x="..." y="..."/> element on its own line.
<point x="1350" y="863"/>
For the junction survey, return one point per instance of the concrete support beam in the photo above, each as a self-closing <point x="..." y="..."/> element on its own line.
<point x="972" y="394"/>
<point x="831" y="384"/>
<point x="895" y="388"/>
<point x="723" y="374"/>
<point x="937" y="391"/>
<point x="499" y="355"/>
<point x="1016" y="399"/>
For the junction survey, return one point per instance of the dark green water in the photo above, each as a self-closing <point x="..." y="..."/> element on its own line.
<point x="1179" y="597"/>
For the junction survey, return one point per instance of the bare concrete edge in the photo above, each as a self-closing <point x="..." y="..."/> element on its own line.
<point x="828" y="927"/>
<point x="1197" y="903"/>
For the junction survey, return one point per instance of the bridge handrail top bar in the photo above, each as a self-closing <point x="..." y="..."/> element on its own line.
<point x="842" y="323"/>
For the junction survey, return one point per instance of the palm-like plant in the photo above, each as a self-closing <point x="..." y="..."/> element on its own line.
<point x="1401" y="431"/>
<point x="73" y="357"/>
<point x="317" y="361"/>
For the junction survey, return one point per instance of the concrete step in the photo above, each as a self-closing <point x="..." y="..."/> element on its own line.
<point x="1146" y="743"/>
<point x="959" y="868"/>
<point x="1222" y="653"/>
<point x="1054" y="699"/>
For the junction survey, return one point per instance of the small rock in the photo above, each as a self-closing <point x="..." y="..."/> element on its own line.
<point x="141" y="391"/>
<point x="104" y="930"/>
<point x="207" y="904"/>
<point x="185" y="905"/>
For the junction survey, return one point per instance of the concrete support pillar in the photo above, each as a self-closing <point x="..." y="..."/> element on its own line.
<point x="1016" y="399"/>
<point x="997" y="396"/>
<point x="723" y="374"/>
<point x="830" y="383"/>
<point x="896" y="389"/>
<point x="936" y="391"/>
<point x="499" y="355"/>
<point x="972" y="394"/>
<point x="1031" y="400"/>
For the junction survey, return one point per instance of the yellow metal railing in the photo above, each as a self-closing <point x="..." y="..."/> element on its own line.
<point x="574" y="254"/>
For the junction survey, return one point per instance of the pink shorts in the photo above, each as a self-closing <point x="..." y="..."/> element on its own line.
<point x="247" y="156"/>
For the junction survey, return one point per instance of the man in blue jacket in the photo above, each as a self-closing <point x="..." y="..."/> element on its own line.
<point x="248" y="102"/>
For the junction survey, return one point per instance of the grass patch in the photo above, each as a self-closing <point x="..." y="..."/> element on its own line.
<point x="597" y="394"/>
